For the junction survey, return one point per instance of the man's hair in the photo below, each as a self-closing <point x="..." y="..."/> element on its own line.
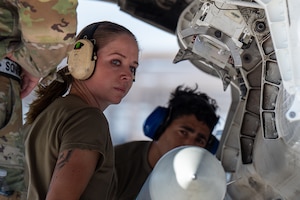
<point x="188" y="101"/>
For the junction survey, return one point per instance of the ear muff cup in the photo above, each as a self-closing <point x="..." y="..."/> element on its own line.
<point x="82" y="59"/>
<point x="155" y="121"/>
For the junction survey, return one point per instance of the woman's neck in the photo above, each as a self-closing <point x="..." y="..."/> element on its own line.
<point x="79" y="89"/>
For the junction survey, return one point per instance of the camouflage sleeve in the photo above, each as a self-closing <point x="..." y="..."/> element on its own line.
<point x="48" y="30"/>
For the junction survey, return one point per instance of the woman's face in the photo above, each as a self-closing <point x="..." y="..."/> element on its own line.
<point x="114" y="72"/>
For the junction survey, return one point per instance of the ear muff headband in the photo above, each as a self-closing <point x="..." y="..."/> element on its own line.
<point x="155" y="121"/>
<point x="82" y="58"/>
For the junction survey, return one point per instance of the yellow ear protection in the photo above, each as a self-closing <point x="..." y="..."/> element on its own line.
<point x="82" y="58"/>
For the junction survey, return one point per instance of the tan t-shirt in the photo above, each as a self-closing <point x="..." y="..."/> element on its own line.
<point x="69" y="123"/>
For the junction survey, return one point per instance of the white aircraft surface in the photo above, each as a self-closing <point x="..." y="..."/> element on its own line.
<point x="185" y="172"/>
<point x="253" y="47"/>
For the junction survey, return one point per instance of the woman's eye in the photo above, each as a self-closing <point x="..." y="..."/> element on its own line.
<point x="116" y="62"/>
<point x="133" y="70"/>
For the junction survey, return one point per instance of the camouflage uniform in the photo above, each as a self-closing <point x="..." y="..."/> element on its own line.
<point x="37" y="35"/>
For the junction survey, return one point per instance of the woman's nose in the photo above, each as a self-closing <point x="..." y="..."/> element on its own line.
<point x="127" y="75"/>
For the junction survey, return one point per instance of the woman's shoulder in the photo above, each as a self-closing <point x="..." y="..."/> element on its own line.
<point x="72" y="108"/>
<point x="72" y="102"/>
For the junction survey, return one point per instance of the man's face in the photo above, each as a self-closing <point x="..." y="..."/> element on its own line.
<point x="185" y="130"/>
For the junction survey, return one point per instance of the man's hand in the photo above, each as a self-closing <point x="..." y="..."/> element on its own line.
<point x="28" y="83"/>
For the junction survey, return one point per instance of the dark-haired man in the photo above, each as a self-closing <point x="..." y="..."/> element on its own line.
<point x="189" y="119"/>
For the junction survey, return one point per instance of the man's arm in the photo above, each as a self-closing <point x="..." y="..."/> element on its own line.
<point x="48" y="30"/>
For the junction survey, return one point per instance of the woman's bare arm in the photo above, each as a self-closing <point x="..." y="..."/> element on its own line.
<point x="73" y="170"/>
